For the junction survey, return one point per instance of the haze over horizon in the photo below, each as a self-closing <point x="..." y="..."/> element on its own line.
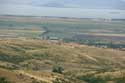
<point x="78" y="8"/>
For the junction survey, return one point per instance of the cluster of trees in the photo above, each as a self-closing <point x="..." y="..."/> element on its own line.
<point x="97" y="43"/>
<point x="93" y="79"/>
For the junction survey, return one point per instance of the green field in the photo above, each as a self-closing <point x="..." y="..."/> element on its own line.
<point x="68" y="30"/>
<point x="65" y="28"/>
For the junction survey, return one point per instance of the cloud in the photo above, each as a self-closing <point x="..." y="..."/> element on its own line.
<point x="16" y="2"/>
<point x="123" y="0"/>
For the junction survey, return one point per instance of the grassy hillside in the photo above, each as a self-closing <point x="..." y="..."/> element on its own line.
<point x="36" y="60"/>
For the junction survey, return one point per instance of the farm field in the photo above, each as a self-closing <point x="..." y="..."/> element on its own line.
<point x="84" y="31"/>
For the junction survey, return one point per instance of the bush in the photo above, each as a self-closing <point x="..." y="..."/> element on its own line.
<point x="120" y="80"/>
<point x="58" y="69"/>
<point x="3" y="80"/>
<point x="92" y="79"/>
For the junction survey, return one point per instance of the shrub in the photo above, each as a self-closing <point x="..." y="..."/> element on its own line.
<point x="120" y="80"/>
<point x="92" y="79"/>
<point x="3" y="80"/>
<point x="58" y="69"/>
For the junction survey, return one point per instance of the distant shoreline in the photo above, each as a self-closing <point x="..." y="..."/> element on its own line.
<point x="113" y="19"/>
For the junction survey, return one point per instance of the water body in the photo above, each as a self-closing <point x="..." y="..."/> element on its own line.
<point x="61" y="12"/>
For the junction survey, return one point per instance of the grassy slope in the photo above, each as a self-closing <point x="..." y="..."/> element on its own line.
<point x="77" y="60"/>
<point x="14" y="77"/>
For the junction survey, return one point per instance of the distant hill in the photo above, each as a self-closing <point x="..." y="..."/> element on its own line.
<point x="92" y="4"/>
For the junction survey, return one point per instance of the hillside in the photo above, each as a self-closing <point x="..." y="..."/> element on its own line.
<point x="35" y="60"/>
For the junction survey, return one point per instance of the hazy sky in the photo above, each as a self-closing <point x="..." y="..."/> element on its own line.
<point x="73" y="8"/>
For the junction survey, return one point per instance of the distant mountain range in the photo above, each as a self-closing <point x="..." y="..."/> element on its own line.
<point x="87" y="4"/>
<point x="91" y="4"/>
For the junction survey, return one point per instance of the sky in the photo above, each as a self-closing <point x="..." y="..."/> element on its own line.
<point x="36" y="6"/>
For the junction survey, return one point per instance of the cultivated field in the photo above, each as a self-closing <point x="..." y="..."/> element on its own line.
<point x="64" y="27"/>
